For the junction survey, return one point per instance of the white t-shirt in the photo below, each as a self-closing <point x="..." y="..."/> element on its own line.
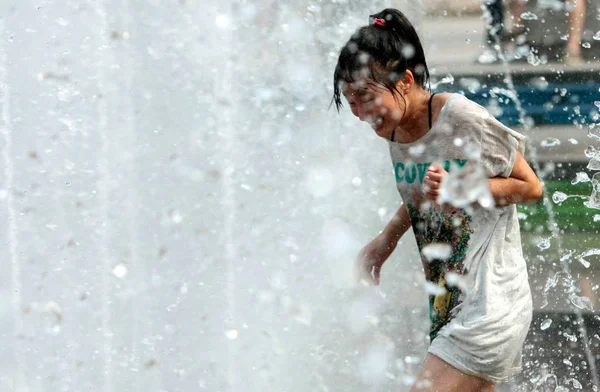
<point x="481" y="311"/>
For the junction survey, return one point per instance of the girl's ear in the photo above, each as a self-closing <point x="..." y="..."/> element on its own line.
<point x="407" y="82"/>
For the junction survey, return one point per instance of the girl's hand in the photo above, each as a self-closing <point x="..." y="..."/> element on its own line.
<point x="433" y="180"/>
<point x="371" y="259"/>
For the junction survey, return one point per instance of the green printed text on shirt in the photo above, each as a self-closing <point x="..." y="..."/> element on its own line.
<point x="411" y="171"/>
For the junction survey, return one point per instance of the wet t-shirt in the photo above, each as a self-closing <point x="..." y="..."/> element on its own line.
<point x="472" y="255"/>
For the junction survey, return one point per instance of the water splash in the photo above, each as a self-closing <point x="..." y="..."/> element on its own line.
<point x="13" y="239"/>
<point x="105" y="177"/>
<point x="552" y="226"/>
<point x="545" y="324"/>
<point x="224" y="92"/>
<point x="594" y="200"/>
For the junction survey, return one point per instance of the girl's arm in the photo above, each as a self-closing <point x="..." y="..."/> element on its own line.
<point x="375" y="253"/>
<point x="397" y="226"/>
<point x="522" y="186"/>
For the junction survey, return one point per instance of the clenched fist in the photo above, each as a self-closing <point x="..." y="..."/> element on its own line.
<point x="433" y="181"/>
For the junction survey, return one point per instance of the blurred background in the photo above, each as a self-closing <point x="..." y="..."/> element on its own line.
<point x="183" y="207"/>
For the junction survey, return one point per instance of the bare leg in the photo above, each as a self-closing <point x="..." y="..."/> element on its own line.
<point x="438" y="376"/>
<point x="576" y="22"/>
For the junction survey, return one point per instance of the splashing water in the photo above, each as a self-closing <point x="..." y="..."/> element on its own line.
<point x="529" y="16"/>
<point x="577" y="303"/>
<point x="594" y="200"/>
<point x="545" y="324"/>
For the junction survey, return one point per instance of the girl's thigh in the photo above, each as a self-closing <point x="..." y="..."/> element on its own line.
<point x="437" y="375"/>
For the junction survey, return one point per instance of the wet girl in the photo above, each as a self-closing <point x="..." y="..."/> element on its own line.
<point x="480" y="306"/>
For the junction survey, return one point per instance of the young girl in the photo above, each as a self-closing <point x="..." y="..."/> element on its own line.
<point x="481" y="309"/>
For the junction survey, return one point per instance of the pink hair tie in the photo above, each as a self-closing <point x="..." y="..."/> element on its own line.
<point x="379" y="22"/>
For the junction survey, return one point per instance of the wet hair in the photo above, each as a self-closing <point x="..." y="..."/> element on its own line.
<point x="382" y="52"/>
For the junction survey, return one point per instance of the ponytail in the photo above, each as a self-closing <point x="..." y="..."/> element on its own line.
<point x="381" y="51"/>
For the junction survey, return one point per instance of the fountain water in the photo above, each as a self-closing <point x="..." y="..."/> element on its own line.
<point x="183" y="208"/>
<point x="572" y="298"/>
<point x="177" y="202"/>
<point x="11" y="218"/>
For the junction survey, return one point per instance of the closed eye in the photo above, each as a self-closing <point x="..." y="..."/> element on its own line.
<point x="367" y="99"/>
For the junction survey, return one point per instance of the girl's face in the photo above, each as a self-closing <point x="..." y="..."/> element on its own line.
<point x="376" y="105"/>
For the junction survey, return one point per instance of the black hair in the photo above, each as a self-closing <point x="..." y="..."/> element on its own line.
<point x="381" y="51"/>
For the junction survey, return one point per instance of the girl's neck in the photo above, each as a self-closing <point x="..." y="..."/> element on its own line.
<point x="415" y="122"/>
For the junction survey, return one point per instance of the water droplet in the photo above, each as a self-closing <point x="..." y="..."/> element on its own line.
<point x="559" y="197"/>
<point x="464" y="186"/>
<point x="570" y="338"/>
<point x="300" y="108"/>
<point x="437" y="251"/>
<point x="471" y="84"/>
<point x="590" y="152"/>
<point x="550" y="142"/>
<point x="533" y="59"/>
<point x="540" y="83"/>
<point x="576" y="384"/>
<point x="176" y="217"/>
<point x="528" y="16"/>
<point x="183" y="289"/>
<point x="544" y="243"/>
<point x="417" y="150"/>
<point x="597" y="218"/>
<point x="120" y="270"/>
<point x="581" y="302"/>
<point x="455" y="280"/>
<point x="53" y="317"/>
<point x="594" y="163"/>
<point x="434" y="289"/>
<point x="594" y="200"/>
<point x="586" y="45"/>
<point x="356" y="181"/>
<point x="594" y="131"/>
<point x="573" y="141"/>
<point x="320" y="182"/>
<point x="222" y="21"/>
<point x="545" y="324"/>
<point x="597" y="36"/>
<point x="408" y="51"/>
<point x="590" y="252"/>
<point x="232" y="334"/>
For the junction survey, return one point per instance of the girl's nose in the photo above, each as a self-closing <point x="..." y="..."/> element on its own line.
<point x="363" y="114"/>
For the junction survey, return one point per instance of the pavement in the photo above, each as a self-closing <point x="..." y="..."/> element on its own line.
<point x="451" y="46"/>
<point x="453" y="43"/>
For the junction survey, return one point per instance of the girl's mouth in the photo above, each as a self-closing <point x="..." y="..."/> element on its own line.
<point x="377" y="124"/>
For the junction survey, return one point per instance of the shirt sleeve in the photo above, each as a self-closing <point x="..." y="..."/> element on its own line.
<point x="499" y="147"/>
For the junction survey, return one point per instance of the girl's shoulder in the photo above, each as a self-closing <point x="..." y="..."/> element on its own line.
<point x="457" y="107"/>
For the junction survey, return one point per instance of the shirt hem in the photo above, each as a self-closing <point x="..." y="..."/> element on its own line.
<point x="441" y="352"/>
